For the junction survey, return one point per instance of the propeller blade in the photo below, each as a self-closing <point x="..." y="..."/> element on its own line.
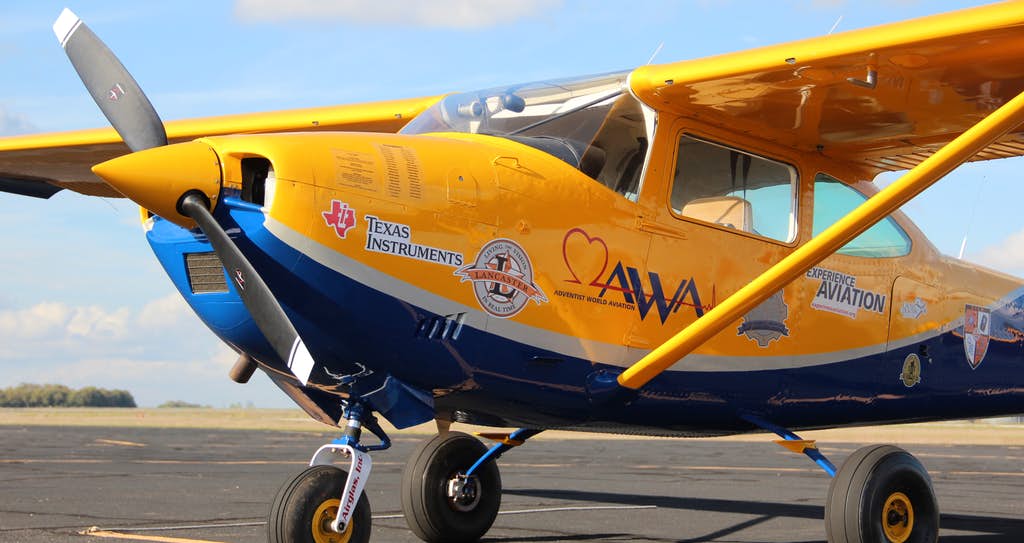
<point x="133" y="116"/>
<point x="112" y="88"/>
<point x="268" y="314"/>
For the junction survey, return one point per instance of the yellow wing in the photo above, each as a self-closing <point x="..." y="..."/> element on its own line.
<point x="40" y="165"/>
<point x="883" y="97"/>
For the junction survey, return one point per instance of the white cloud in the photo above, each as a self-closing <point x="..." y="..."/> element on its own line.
<point x="167" y="311"/>
<point x="56" y="321"/>
<point x="12" y="123"/>
<point x="461" y="14"/>
<point x="158" y="351"/>
<point x="1006" y="256"/>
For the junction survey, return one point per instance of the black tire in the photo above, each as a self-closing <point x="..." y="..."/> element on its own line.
<point x="881" y="488"/>
<point x="430" y="513"/>
<point x="304" y="504"/>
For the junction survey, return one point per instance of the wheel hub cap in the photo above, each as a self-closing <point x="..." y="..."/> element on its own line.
<point x="321" y="524"/>
<point x="463" y="492"/>
<point x="898" y="518"/>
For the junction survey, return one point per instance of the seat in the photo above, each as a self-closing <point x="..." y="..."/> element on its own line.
<point x="728" y="211"/>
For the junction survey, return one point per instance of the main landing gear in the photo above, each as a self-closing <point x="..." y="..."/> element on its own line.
<point x="881" y="494"/>
<point x="451" y="488"/>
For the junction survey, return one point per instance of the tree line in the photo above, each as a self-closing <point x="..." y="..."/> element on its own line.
<point x="30" y="395"/>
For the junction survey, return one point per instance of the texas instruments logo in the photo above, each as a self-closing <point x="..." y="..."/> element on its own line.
<point x="341" y="217"/>
<point x="115" y="93"/>
<point x="502" y="279"/>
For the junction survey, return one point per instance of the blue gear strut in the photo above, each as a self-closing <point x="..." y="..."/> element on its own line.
<point x="794" y="443"/>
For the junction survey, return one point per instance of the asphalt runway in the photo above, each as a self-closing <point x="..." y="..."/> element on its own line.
<point x="174" y="485"/>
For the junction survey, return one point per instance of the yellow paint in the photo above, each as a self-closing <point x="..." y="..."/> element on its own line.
<point x="797" y="94"/>
<point x="797" y="445"/>
<point x="503" y="438"/>
<point x="138" y="537"/>
<point x="321" y="523"/>
<point x="820" y="247"/>
<point x="588" y="245"/>
<point x="898" y="518"/>
<point x="119" y="443"/>
<point x="157" y="178"/>
<point x="67" y="157"/>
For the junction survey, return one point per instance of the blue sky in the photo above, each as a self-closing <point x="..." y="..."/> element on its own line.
<point x="83" y="301"/>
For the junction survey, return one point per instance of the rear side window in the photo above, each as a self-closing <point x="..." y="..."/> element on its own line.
<point x="833" y="199"/>
<point x="735" y="189"/>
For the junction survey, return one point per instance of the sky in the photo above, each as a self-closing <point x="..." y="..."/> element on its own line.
<point x="84" y="302"/>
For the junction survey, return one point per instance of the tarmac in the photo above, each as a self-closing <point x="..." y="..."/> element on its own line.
<point x="172" y="485"/>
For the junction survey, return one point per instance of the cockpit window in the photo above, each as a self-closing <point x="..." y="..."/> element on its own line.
<point x="834" y="199"/>
<point x="593" y="123"/>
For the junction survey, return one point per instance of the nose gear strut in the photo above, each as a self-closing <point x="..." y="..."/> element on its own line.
<point x="348" y="447"/>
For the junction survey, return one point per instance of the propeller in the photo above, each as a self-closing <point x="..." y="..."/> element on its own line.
<point x="174" y="179"/>
<point x="111" y="86"/>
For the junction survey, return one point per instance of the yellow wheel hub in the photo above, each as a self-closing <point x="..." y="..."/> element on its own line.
<point x="898" y="518"/>
<point x="322" y="519"/>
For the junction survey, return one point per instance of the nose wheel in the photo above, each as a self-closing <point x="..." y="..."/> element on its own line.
<point x="306" y="506"/>
<point x="881" y="494"/>
<point x="440" y="501"/>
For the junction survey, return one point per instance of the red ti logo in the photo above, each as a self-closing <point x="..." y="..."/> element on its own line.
<point x="115" y="93"/>
<point x="341" y="217"/>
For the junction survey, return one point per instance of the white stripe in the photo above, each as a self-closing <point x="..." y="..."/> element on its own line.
<point x="300" y="361"/>
<point x="65" y="26"/>
<point x="570" y="346"/>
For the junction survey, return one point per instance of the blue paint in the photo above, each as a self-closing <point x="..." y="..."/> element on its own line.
<point x="494" y="453"/>
<point x="812" y="453"/>
<point x="482" y="378"/>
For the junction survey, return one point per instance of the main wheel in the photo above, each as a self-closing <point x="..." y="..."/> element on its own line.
<point x="305" y="507"/>
<point x="440" y="503"/>
<point x="881" y="494"/>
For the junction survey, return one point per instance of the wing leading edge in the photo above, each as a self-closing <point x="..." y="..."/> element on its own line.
<point x="885" y="97"/>
<point x="42" y="164"/>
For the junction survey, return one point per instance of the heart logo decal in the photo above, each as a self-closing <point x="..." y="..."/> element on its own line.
<point x="586" y="257"/>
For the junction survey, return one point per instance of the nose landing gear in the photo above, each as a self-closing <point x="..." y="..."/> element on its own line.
<point x="325" y="504"/>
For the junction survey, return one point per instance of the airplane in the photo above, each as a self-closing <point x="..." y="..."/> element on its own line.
<point x="686" y="249"/>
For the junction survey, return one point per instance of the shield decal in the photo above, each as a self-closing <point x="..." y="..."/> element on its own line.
<point x="977" y="325"/>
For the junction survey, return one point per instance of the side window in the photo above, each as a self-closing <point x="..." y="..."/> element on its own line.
<point x="735" y="189"/>
<point x="834" y="199"/>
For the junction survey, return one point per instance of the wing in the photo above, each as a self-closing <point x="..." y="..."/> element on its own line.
<point x="884" y="97"/>
<point x="41" y="165"/>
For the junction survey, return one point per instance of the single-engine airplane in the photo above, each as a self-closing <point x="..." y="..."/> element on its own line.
<point x="527" y="256"/>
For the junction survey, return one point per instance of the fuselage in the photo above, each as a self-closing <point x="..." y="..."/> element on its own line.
<point x="506" y="281"/>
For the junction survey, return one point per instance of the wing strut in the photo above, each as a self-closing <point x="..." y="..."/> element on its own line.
<point x="953" y="154"/>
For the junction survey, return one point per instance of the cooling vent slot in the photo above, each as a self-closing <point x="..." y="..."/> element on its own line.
<point x="205" y="273"/>
<point x="447" y="327"/>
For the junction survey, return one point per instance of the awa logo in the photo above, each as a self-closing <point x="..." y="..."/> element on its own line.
<point x="586" y="260"/>
<point x="502" y="278"/>
<point x="341" y="217"/>
<point x="977" y="327"/>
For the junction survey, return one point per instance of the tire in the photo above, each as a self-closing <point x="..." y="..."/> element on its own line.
<point x="429" y="512"/>
<point x="881" y="494"/>
<point x="305" y="506"/>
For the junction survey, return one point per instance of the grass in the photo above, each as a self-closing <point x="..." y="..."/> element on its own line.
<point x="295" y="420"/>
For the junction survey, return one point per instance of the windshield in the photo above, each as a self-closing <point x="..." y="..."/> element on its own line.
<point x="593" y="123"/>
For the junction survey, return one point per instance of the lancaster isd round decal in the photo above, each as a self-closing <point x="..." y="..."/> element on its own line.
<point x="502" y="278"/>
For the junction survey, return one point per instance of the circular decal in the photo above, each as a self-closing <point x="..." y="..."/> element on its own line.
<point x="502" y="278"/>
<point x="911" y="374"/>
